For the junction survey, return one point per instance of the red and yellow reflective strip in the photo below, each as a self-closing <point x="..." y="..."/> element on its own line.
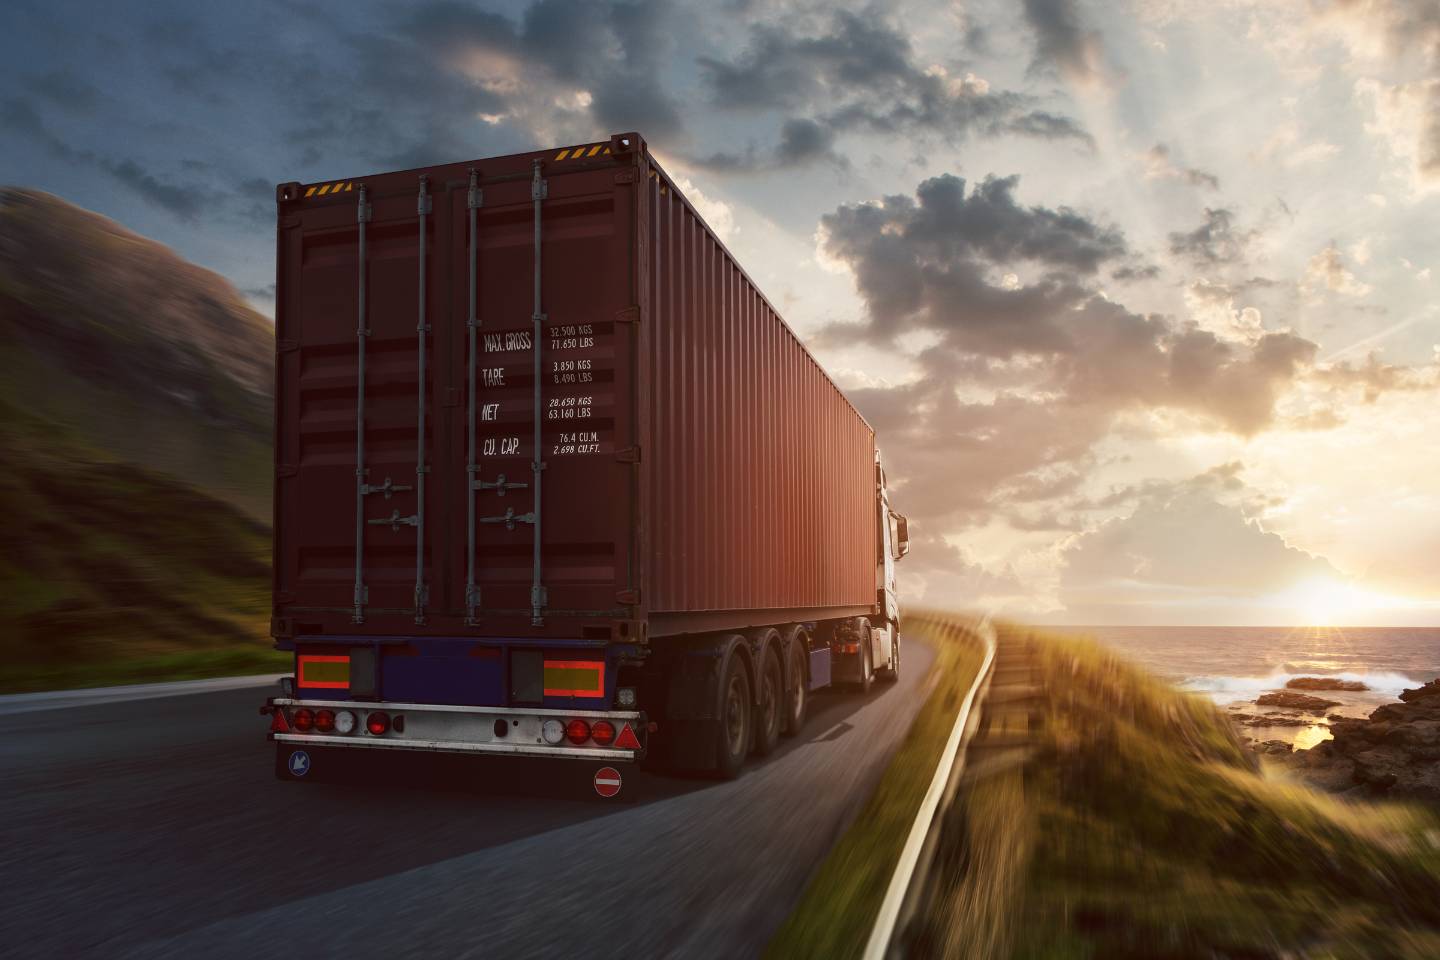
<point x="322" y="671"/>
<point x="574" y="678"/>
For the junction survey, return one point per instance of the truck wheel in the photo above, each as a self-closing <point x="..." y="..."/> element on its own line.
<point x="769" y="711"/>
<point x="893" y="673"/>
<point x="737" y="717"/>
<point x="867" y="670"/>
<point x="797" y="698"/>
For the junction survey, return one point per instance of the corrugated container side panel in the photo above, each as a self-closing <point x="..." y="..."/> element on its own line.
<point x="762" y="495"/>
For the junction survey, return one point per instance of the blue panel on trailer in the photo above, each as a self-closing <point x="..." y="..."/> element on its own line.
<point x="446" y="670"/>
<point x="819" y="668"/>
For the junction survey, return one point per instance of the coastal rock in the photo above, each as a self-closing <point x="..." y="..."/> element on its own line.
<point x="1392" y="753"/>
<point x="1325" y="683"/>
<point x="1268" y="748"/>
<point x="1270" y="720"/>
<point x="1295" y="701"/>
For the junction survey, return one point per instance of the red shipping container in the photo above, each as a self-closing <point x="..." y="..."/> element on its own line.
<point x="695" y="470"/>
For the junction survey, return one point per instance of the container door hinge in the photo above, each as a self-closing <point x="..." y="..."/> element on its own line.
<point x="625" y="176"/>
<point x="286" y="346"/>
<point x="628" y="598"/>
<point x="628" y="455"/>
<point x="628" y="315"/>
<point x="286" y="469"/>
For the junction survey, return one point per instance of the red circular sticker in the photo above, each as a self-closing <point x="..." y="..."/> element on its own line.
<point x="607" y="781"/>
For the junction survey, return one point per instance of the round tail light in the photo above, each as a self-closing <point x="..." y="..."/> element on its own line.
<point x="324" y="720"/>
<point x="303" y="720"/>
<point x="377" y="723"/>
<point x="344" y="722"/>
<point x="578" y="731"/>
<point x="553" y="731"/>
<point x="603" y="732"/>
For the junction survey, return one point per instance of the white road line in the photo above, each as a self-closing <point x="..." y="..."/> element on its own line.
<point x="91" y="696"/>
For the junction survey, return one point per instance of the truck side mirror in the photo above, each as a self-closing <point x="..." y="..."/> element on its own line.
<point x="902" y="535"/>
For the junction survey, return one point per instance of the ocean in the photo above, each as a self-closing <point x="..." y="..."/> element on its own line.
<point x="1234" y="665"/>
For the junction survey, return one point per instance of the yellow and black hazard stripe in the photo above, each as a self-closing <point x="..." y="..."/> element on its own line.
<point x="329" y="189"/>
<point x="584" y="152"/>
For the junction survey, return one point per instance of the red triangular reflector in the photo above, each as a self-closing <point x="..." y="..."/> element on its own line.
<point x="278" y="723"/>
<point x="627" y="739"/>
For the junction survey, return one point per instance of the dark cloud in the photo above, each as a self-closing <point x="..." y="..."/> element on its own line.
<point x="1062" y="42"/>
<point x="1024" y="380"/>
<point x="922" y="262"/>
<point x="1215" y="241"/>
<point x="64" y="89"/>
<point x="860" y="73"/>
<point x="181" y="200"/>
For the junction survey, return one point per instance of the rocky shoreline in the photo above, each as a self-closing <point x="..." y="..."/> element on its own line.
<point x="1395" y="752"/>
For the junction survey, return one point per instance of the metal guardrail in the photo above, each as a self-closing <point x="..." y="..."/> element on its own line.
<point x="909" y="880"/>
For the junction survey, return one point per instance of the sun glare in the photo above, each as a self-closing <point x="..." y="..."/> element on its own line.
<point x="1326" y="602"/>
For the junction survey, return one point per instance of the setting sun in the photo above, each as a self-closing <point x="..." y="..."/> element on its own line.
<point x="1327" y="602"/>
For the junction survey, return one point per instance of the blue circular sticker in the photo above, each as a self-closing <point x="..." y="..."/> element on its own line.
<point x="299" y="763"/>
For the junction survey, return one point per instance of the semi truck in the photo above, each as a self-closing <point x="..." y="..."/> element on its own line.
<point x="553" y="479"/>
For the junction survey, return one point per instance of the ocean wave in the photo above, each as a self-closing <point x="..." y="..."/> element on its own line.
<point x="1225" y="689"/>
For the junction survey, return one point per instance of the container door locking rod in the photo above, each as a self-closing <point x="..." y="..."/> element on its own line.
<point x="421" y="328"/>
<point x="474" y="199"/>
<point x="362" y="593"/>
<point x="538" y="600"/>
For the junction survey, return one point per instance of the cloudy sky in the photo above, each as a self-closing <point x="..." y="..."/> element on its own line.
<point x="1140" y="296"/>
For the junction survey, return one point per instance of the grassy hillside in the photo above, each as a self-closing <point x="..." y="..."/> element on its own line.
<point x="1142" y="828"/>
<point x="134" y="429"/>
<point x="133" y="350"/>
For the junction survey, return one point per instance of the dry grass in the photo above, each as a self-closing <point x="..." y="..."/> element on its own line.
<point x="1150" y="833"/>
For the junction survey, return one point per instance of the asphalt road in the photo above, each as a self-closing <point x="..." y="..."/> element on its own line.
<point x="154" y="828"/>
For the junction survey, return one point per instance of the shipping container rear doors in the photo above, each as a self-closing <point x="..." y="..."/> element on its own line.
<point x="424" y="322"/>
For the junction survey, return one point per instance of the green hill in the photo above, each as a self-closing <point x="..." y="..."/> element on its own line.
<point x="135" y="407"/>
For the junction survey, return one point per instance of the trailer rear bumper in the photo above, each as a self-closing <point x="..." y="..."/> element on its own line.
<point x="442" y="728"/>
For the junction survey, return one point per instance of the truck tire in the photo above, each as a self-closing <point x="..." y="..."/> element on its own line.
<point x="867" y="669"/>
<point x="770" y="704"/>
<point x="797" y="697"/>
<point x="892" y="673"/>
<point x="735" y="731"/>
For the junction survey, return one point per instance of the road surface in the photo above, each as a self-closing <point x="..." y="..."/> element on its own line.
<point x="154" y="828"/>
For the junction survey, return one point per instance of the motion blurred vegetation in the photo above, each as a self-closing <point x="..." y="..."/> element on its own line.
<point x="1140" y="827"/>
<point x="135" y="398"/>
<point x="1143" y="828"/>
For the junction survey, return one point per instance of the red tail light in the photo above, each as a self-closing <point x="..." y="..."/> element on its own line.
<point x="303" y="719"/>
<point x="324" y="720"/>
<point x="603" y="732"/>
<point x="377" y="723"/>
<point x="578" y="731"/>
